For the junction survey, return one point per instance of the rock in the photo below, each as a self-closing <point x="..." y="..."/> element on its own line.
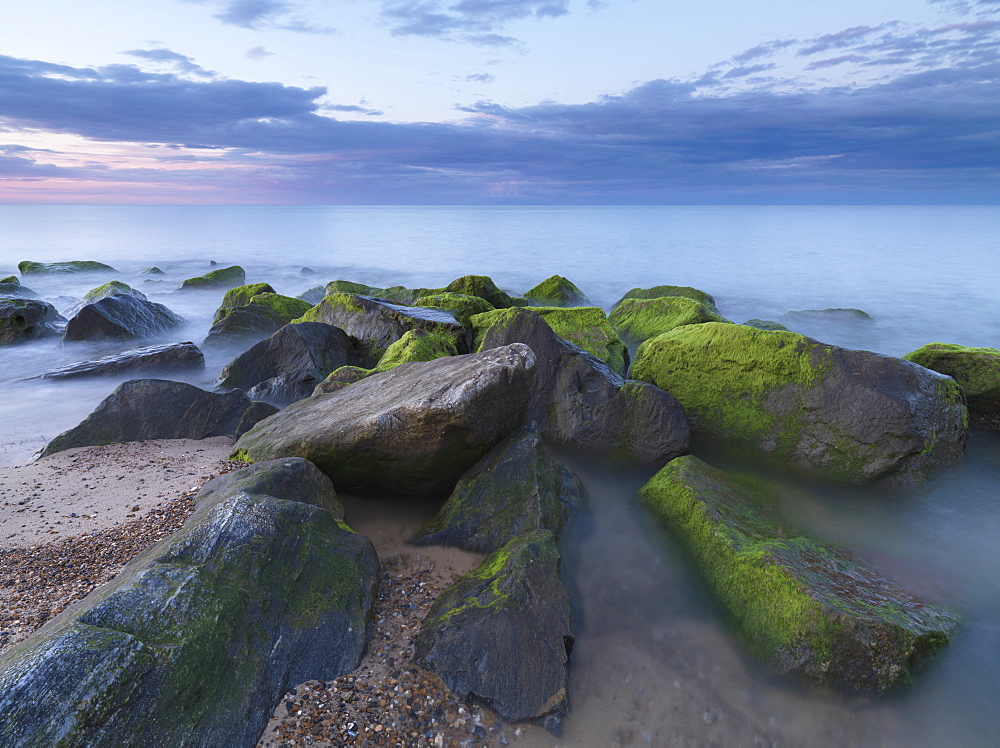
<point x="765" y="324"/>
<point x="517" y="486"/>
<point x="11" y="279"/>
<point x="502" y="633"/>
<point x="75" y="266"/>
<point x="342" y="377"/>
<point x="152" y="271"/>
<point x="239" y="296"/>
<point x="977" y="371"/>
<point x="221" y="278"/>
<point x="481" y="286"/>
<point x="307" y="271"/>
<point x="461" y="305"/>
<point x="395" y="294"/>
<point x="196" y="641"/>
<point x="417" y="345"/>
<point x="170" y="357"/>
<point x="581" y="403"/>
<point x="245" y="323"/>
<point x="299" y="355"/>
<point x="826" y="315"/>
<point x="658" y="291"/>
<point x="851" y="415"/>
<point x="26" y="319"/>
<point x="142" y="409"/>
<point x="290" y="478"/>
<point x="11" y="286"/>
<point x="413" y="430"/>
<point x="585" y="327"/>
<point x="801" y="606"/>
<point x="120" y="317"/>
<point x="556" y="291"/>
<point x="112" y="288"/>
<point x="377" y="324"/>
<point x="313" y="296"/>
<point x="640" y="319"/>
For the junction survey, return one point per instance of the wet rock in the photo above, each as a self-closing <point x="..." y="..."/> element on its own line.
<point x="556" y="291"/>
<point x="26" y="319"/>
<point x="74" y="266"/>
<point x="377" y="324"/>
<point x="502" y="633"/>
<point x="851" y="415"/>
<point x="462" y="306"/>
<point x="112" y="288"/>
<point x="152" y="271"/>
<point x="120" y="317"/>
<point x="765" y="324"/>
<point x="239" y="296"/>
<point x="848" y="315"/>
<point x="659" y="291"/>
<point x="580" y="402"/>
<point x="313" y="296"/>
<point x="802" y="606"/>
<point x="412" y="430"/>
<point x="517" y="486"/>
<point x="170" y="357"/>
<point x="342" y="377"/>
<point x="142" y="409"/>
<point x="637" y="320"/>
<point x="298" y="355"/>
<point x="11" y="286"/>
<point x="977" y="371"/>
<point x="196" y="641"/>
<point x="221" y="278"/>
<point x="481" y="286"/>
<point x="394" y="294"/>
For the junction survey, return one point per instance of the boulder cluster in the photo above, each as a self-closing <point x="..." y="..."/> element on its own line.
<point x="457" y="393"/>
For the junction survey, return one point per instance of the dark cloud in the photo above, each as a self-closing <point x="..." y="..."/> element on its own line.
<point x="480" y="78"/>
<point x="475" y="21"/>
<point x="175" y="60"/>
<point x="762" y="50"/>
<point x="841" y="39"/>
<point x="832" y="61"/>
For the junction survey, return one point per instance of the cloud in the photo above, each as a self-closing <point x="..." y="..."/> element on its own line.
<point x="832" y="61"/>
<point x="473" y="21"/>
<point x="171" y="59"/>
<point x="258" y="53"/>
<point x="352" y="108"/>
<point x="480" y="78"/>
<point x="261" y="14"/>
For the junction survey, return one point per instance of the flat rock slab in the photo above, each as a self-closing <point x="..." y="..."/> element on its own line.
<point x="196" y="641"/>
<point x="502" y="633"/>
<point x="412" y="430"/>
<point x="170" y="357"/>
<point x="141" y="409"/>
<point x="800" y="605"/>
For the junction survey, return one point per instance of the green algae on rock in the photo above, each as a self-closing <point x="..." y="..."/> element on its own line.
<point x="584" y="326"/>
<point x="502" y="633"/>
<point x="798" y="604"/>
<point x="111" y="288"/>
<point x="851" y="415"/>
<point x="478" y="285"/>
<point x="395" y="294"/>
<point x="74" y="266"/>
<point x="765" y="324"/>
<point x="417" y="345"/>
<point x="463" y="306"/>
<point x="556" y="291"/>
<point x="517" y="486"/>
<point x="637" y="320"/>
<point x="240" y="296"/>
<point x="977" y="371"/>
<point x="221" y="278"/>
<point x="340" y="378"/>
<point x="658" y="291"/>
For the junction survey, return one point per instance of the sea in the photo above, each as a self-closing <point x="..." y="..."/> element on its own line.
<point x="655" y="662"/>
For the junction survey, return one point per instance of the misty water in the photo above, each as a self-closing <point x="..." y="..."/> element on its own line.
<point x="654" y="661"/>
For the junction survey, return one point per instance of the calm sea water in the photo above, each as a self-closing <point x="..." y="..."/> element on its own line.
<point x="654" y="663"/>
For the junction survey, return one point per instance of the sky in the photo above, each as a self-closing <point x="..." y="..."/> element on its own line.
<point x="500" y="102"/>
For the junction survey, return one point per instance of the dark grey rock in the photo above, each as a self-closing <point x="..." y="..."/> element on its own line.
<point x="111" y="288"/>
<point x="517" y="486"/>
<point x="313" y="295"/>
<point x="289" y="478"/>
<point x="142" y="409"/>
<point x="221" y="278"/>
<point x="245" y="322"/>
<point x="26" y="319"/>
<point x="411" y="430"/>
<point x="73" y="266"/>
<point x="170" y="357"/>
<point x="502" y="633"/>
<point x="121" y="317"/>
<point x="195" y="642"/>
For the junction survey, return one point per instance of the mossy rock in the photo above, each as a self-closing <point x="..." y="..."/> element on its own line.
<point x="852" y="415"/>
<point x="658" y="291"/>
<point x="583" y="326"/>
<point x="285" y="308"/>
<point x="395" y="294"/>
<point x="502" y="633"/>
<point x="26" y="319"/>
<point x="417" y="345"/>
<point x="10" y="279"/>
<point x="977" y="371"/>
<point x="75" y="266"/>
<point x="341" y="378"/>
<point x="112" y="288"/>
<point x="481" y="286"/>
<point x="765" y="324"/>
<point x="517" y="486"/>
<point x="462" y="305"/>
<point x="637" y="320"/>
<point x="152" y="271"/>
<point x="798" y="604"/>
<point x="240" y="296"/>
<point x="556" y="291"/>
<point x="221" y="278"/>
<point x="314" y="295"/>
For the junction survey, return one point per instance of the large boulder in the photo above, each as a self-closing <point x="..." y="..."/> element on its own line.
<point x="111" y="288"/>
<point x="262" y="314"/>
<point x="221" y="278"/>
<point x="556" y="291"/>
<point x="637" y="320"/>
<point x="26" y="319"/>
<point x="481" y="286"/>
<point x="411" y="430"/>
<point x="977" y="371"/>
<point x="584" y="326"/>
<point x="170" y="357"/>
<point x="580" y="402"/>
<point x="378" y="323"/>
<point x="517" y="486"/>
<point x="851" y="415"/>
<point x="11" y="286"/>
<point x="196" y="641"/>
<point x="53" y="268"/>
<point x="800" y="605"/>
<point x="142" y="409"/>
<point x="502" y="633"/>
<point x="240" y="296"/>
<point x="300" y="355"/>
<point x="121" y="317"/>
<point x="462" y="306"/>
<point x="657" y="291"/>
